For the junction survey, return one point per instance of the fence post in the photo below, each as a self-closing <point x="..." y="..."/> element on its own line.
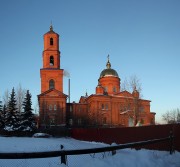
<point x="63" y="157"/>
<point x="171" y="149"/>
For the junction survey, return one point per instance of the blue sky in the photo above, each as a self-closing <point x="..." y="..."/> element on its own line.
<point x="142" y="38"/>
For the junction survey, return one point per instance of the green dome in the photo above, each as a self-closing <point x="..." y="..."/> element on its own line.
<point x="108" y="71"/>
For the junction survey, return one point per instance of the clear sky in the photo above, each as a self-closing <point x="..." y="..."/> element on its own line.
<point x="142" y="38"/>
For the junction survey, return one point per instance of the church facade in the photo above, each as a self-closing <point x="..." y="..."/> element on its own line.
<point x="108" y="106"/>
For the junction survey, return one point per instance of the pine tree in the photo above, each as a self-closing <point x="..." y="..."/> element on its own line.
<point x="27" y="117"/>
<point x="11" y="118"/>
<point x="1" y="115"/>
<point x="4" y="109"/>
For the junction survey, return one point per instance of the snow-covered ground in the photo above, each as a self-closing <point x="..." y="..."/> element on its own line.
<point x="123" y="158"/>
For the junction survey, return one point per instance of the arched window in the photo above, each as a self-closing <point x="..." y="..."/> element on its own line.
<point x="51" y="84"/>
<point x="51" y="41"/>
<point x="51" y="61"/>
<point x="106" y="89"/>
<point x="50" y="107"/>
<point x="114" y="89"/>
<point x="102" y="106"/>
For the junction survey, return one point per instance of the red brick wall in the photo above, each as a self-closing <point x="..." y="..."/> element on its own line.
<point x="130" y="134"/>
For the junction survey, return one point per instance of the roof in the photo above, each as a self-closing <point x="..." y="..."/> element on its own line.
<point x="53" y="92"/>
<point x="109" y="72"/>
<point x="51" y="31"/>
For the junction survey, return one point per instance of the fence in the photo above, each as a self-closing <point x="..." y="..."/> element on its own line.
<point x="130" y="134"/>
<point x="64" y="153"/>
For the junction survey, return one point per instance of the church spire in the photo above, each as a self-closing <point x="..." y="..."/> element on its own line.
<point x="108" y="64"/>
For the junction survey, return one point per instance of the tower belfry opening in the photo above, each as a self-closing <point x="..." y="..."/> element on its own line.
<point x="51" y="84"/>
<point x="51" y="61"/>
<point x="51" y="41"/>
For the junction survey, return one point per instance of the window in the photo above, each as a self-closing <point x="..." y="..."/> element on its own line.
<point x="102" y="106"/>
<point x="55" y="107"/>
<point x="51" y="61"/>
<point x="51" y="41"/>
<point x="114" y="89"/>
<point x="51" y="84"/>
<point x="70" y="121"/>
<point x="50" y="107"/>
<point x="106" y="89"/>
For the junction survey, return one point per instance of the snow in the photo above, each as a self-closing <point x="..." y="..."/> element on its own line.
<point x="123" y="158"/>
<point x="124" y="112"/>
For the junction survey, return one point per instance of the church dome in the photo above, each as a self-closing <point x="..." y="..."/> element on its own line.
<point x="108" y="71"/>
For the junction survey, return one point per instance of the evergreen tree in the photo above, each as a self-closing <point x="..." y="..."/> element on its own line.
<point x="4" y="115"/>
<point x="27" y="117"/>
<point x="1" y="115"/>
<point x="11" y="118"/>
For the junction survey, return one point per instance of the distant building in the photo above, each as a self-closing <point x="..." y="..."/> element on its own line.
<point x="109" y="106"/>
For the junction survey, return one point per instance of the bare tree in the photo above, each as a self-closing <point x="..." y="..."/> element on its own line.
<point x="36" y="108"/>
<point x="125" y="85"/>
<point x="132" y="85"/>
<point x="172" y="116"/>
<point x="135" y="84"/>
<point x="6" y="97"/>
<point x="20" y="94"/>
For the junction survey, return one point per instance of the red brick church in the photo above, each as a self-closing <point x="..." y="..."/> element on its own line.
<point x="109" y="106"/>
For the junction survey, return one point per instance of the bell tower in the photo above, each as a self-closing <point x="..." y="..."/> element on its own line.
<point x="52" y="100"/>
<point x="51" y="74"/>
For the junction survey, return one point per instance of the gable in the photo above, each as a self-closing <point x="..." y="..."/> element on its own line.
<point x="53" y="93"/>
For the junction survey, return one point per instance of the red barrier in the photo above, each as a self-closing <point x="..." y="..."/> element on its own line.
<point x="130" y="134"/>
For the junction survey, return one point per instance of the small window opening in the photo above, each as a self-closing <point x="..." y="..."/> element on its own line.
<point x="102" y="106"/>
<point x="51" y="41"/>
<point x="50" y="107"/>
<point x="55" y="107"/>
<point x="51" y="61"/>
<point x="51" y="84"/>
<point x="114" y="89"/>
